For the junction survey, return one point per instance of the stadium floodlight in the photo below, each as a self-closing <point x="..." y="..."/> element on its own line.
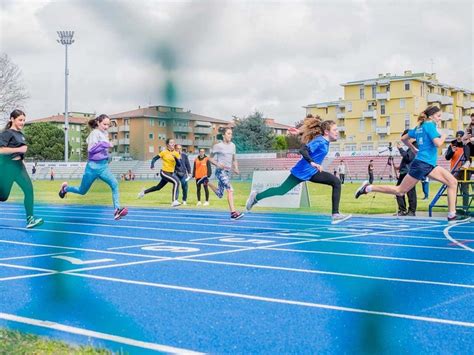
<point x="65" y="38"/>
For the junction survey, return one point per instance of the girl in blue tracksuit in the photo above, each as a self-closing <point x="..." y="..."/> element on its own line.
<point x="97" y="167"/>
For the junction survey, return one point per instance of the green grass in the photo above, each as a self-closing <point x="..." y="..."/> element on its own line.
<point x="13" y="342"/>
<point x="320" y="196"/>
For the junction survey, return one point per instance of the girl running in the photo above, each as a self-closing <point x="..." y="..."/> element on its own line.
<point x="202" y="172"/>
<point x="12" y="152"/>
<point x="97" y="164"/>
<point x="316" y="136"/>
<point x="170" y="159"/>
<point x="223" y="157"/>
<point x="424" y="164"/>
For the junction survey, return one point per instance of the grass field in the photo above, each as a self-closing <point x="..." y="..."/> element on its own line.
<point x="320" y="196"/>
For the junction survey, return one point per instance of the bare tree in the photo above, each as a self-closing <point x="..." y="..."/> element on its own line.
<point x="12" y="92"/>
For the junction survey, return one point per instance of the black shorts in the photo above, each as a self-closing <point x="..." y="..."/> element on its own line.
<point x="420" y="170"/>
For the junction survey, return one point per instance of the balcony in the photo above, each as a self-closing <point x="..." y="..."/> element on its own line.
<point x="467" y="104"/>
<point x="442" y="99"/>
<point x="341" y="104"/>
<point x="114" y="142"/>
<point x="447" y="131"/>
<point x="124" y="128"/>
<point x="446" y="100"/>
<point x="370" y="114"/>
<point x="202" y="130"/>
<point x="203" y="143"/>
<point x="447" y="116"/>
<point x="466" y="119"/>
<point x="341" y="128"/>
<point x="382" y="130"/>
<point x="182" y="129"/>
<point x="124" y="141"/>
<point x="113" y="129"/>
<point x="383" y="96"/>
<point x="183" y="141"/>
<point x="340" y="115"/>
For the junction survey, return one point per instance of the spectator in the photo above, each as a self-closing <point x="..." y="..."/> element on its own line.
<point x="33" y="172"/>
<point x="52" y="174"/>
<point x="341" y="169"/>
<point x="183" y="172"/>
<point x="202" y="172"/>
<point x="370" y="169"/>
<point x="407" y="157"/>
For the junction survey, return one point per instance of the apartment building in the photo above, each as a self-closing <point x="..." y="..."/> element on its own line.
<point x="374" y="112"/>
<point x="77" y="120"/>
<point x="140" y="133"/>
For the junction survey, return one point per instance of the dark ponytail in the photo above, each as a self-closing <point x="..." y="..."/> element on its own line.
<point x="424" y="116"/>
<point x="14" y="115"/>
<point x="95" y="121"/>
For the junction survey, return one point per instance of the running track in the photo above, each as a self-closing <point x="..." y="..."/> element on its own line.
<point x="193" y="281"/>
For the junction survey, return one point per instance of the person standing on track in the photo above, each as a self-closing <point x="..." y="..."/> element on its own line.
<point x="97" y="167"/>
<point x="202" y="172"/>
<point x="316" y="136"/>
<point x="12" y="152"/>
<point x="170" y="159"/>
<point x="424" y="165"/>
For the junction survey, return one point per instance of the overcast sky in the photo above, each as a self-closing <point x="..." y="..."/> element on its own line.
<point x="228" y="58"/>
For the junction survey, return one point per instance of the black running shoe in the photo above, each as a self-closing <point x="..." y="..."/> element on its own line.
<point x="361" y="190"/>
<point x="120" y="212"/>
<point x="63" y="192"/>
<point x="236" y="215"/>
<point x="458" y="219"/>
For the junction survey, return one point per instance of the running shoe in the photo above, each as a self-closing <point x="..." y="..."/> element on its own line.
<point x="458" y="219"/>
<point x="32" y="222"/>
<point x="120" y="212"/>
<point x="141" y="194"/>
<point x="206" y="203"/>
<point x="184" y="203"/>
<point x="189" y="177"/>
<point x="236" y="215"/>
<point x="175" y="203"/>
<point x="338" y="218"/>
<point x="63" y="192"/>
<point x="251" y="201"/>
<point x="361" y="189"/>
<point x="199" y="203"/>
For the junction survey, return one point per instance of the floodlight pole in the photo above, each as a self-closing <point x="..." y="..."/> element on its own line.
<point x="65" y="38"/>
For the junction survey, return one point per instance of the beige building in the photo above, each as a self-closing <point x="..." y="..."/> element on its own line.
<point x="142" y="132"/>
<point x="374" y="112"/>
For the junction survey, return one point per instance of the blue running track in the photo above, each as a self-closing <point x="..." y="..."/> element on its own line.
<point x="180" y="281"/>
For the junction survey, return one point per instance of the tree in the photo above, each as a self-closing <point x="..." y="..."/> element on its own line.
<point x="45" y="141"/>
<point x="251" y="134"/>
<point x="12" y="92"/>
<point x="280" y="143"/>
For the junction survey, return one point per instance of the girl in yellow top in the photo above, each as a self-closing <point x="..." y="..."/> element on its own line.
<point x="170" y="159"/>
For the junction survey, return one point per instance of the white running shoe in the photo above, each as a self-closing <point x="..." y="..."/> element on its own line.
<point x="184" y="203"/>
<point x="251" y="201"/>
<point x="199" y="203"/>
<point x="206" y="203"/>
<point x="141" y="194"/>
<point x="338" y="218"/>
<point x="188" y="178"/>
<point x="175" y="203"/>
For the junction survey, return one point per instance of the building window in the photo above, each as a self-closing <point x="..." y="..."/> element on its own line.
<point x="422" y="90"/>
<point x="388" y="121"/>
<point x="361" y="92"/>
<point x="402" y="103"/>
<point x="361" y="125"/>
<point x="349" y="106"/>
<point x="388" y="88"/>
<point x="152" y="122"/>
<point x="407" y="121"/>
<point x="374" y="125"/>
<point x="125" y="122"/>
<point x="374" y="92"/>
<point x="150" y="136"/>
<point x="369" y="138"/>
<point x="151" y="149"/>
<point x="382" y="109"/>
<point x="127" y="135"/>
<point x="407" y="86"/>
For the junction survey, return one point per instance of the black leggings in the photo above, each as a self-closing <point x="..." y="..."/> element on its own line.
<point x="15" y="171"/>
<point x="166" y="177"/>
<point x="198" y="189"/>
<point x="318" y="178"/>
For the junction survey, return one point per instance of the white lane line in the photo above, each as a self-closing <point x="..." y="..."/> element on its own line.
<point x="28" y="276"/>
<point x="361" y="276"/>
<point x="13" y="266"/>
<point x="135" y="246"/>
<point x="94" y="334"/>
<point x="448" y="236"/>
<point x="371" y="256"/>
<point x="395" y="245"/>
<point x="282" y="301"/>
<point x="35" y="256"/>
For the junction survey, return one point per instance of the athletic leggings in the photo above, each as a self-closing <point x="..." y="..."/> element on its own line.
<point x="166" y="177"/>
<point x="15" y="171"/>
<point x="198" y="189"/>
<point x="321" y="177"/>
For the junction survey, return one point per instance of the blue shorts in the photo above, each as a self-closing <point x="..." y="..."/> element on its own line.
<point x="420" y="170"/>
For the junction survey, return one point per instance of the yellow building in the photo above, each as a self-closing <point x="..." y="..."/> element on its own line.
<point x="142" y="132"/>
<point x="376" y="111"/>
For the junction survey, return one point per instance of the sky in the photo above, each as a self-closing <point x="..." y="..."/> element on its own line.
<point x="228" y="58"/>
